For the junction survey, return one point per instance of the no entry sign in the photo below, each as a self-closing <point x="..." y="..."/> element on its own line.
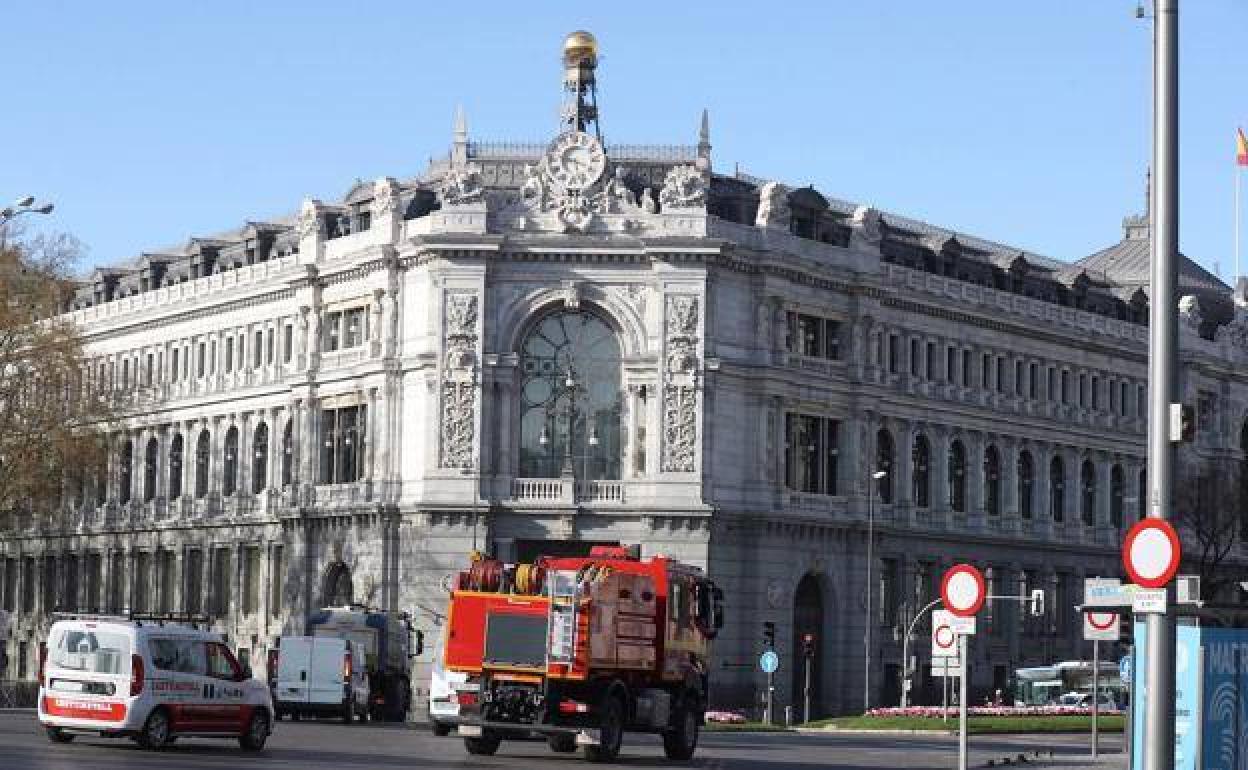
<point x="962" y="589"/>
<point x="1100" y="626"/>
<point x="1151" y="553"/>
<point x="944" y="637"/>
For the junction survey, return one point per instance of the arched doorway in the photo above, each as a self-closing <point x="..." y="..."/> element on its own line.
<point x="807" y="619"/>
<point x="336" y="589"/>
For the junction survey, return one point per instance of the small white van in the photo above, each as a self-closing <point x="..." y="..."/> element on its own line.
<point x="444" y="689"/>
<point x="150" y="681"/>
<point x="317" y="675"/>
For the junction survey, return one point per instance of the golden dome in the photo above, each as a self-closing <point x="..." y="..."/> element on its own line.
<point x="579" y="45"/>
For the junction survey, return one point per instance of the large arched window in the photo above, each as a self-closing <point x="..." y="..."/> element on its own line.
<point x="203" y="453"/>
<point x="1117" y="488"/>
<point x="1087" y="493"/>
<point x="288" y="451"/>
<point x="175" y="467"/>
<point x="921" y="478"/>
<point x="150" y="458"/>
<point x="1057" y="489"/>
<point x="260" y="459"/>
<point x="884" y="462"/>
<point x="992" y="481"/>
<point x="1026" y="483"/>
<point x="338" y="590"/>
<point x="570" y="398"/>
<point x="229" y="474"/>
<point x="957" y="477"/>
<point x="127" y="472"/>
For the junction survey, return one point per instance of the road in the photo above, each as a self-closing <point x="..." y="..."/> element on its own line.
<point x="329" y="745"/>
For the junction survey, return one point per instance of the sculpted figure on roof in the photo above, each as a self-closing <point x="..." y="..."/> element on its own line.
<point x="773" y="206"/>
<point x="461" y="186"/>
<point x="684" y="187"/>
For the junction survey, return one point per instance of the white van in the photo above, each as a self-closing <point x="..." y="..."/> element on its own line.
<point x="149" y="681"/>
<point x="318" y="675"/>
<point x="444" y="689"/>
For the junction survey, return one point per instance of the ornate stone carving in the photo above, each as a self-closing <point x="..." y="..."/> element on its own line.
<point x="773" y="206"/>
<point x="680" y="394"/>
<point x="682" y="315"/>
<point x="866" y="224"/>
<point x="535" y="193"/>
<point x="461" y="314"/>
<point x="461" y="186"/>
<point x="647" y="201"/>
<point x="680" y="430"/>
<point x="309" y="223"/>
<point x="385" y="197"/>
<point x="617" y="197"/>
<point x="459" y="402"/>
<point x="1190" y="313"/>
<point x="684" y="187"/>
<point x="570" y="293"/>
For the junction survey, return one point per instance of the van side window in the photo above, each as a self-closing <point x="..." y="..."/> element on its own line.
<point x="164" y="653"/>
<point x="191" y="658"/>
<point x="221" y="664"/>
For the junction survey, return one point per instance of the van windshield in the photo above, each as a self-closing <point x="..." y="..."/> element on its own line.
<point x="91" y="651"/>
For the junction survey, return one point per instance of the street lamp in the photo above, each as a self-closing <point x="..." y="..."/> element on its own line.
<point x="21" y="206"/>
<point x="572" y="398"/>
<point x="866" y="684"/>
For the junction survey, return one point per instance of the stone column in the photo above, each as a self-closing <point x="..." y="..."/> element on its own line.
<point x="851" y="457"/>
<point x="1103" y="463"/>
<point x="1009" y="449"/>
<point x="376" y="326"/>
<point x="903" y="468"/>
<point x="938" y="469"/>
<point x="372" y="428"/>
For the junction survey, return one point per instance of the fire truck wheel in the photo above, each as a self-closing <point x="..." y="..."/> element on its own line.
<point x="610" y="732"/>
<point x="57" y="735"/>
<point x="485" y="746"/>
<point x="562" y="743"/>
<point x="680" y="742"/>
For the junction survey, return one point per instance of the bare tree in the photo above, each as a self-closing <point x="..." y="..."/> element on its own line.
<point x="50" y="411"/>
<point x="1209" y="514"/>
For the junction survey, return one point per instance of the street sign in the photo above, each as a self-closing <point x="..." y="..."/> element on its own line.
<point x="1151" y="553"/>
<point x="769" y="661"/>
<point x="962" y="589"/>
<point x="1100" y="626"/>
<point x="953" y="670"/>
<point x="1124" y="670"/>
<point x="1146" y="600"/>
<point x="1104" y="592"/>
<point x="944" y="638"/>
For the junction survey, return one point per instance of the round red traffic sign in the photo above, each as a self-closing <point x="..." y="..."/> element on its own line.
<point x="944" y="637"/>
<point x="1102" y="621"/>
<point x="962" y="588"/>
<point x="1151" y="553"/>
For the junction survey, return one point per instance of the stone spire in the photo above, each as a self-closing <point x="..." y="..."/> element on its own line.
<point x="459" y="149"/>
<point x="704" y="142"/>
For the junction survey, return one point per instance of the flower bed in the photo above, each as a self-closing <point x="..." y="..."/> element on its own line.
<point x="937" y="712"/>
<point x="725" y="717"/>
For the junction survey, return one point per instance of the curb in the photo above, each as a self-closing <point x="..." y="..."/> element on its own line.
<point x="30" y="710"/>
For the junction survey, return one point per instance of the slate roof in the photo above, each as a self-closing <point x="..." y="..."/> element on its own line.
<point x="1126" y="264"/>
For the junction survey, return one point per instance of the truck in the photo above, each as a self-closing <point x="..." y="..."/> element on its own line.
<point x="581" y="650"/>
<point x="388" y="642"/>
<point x="317" y="675"/>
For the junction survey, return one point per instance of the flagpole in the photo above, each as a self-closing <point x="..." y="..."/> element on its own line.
<point x="1238" y="174"/>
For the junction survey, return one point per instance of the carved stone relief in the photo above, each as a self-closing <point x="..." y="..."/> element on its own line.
<point x="459" y="405"/>
<point x="773" y="206"/>
<point x="680" y="394"/>
<point x="385" y="198"/>
<point x="459" y="386"/>
<point x="684" y="187"/>
<point x="461" y="186"/>
<point x="309" y="222"/>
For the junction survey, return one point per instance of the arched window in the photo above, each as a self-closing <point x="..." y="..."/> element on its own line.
<point x="1026" y="483"/>
<point x="1057" y="489"/>
<point x="203" y="451"/>
<point x="175" y="467"/>
<point x="260" y="459"/>
<point x="992" y="481"/>
<point x="127" y="472"/>
<point x="957" y="477"/>
<point x="338" y="590"/>
<point x="150" y="458"/>
<point x="570" y="398"/>
<point x="884" y="462"/>
<point x="1087" y="493"/>
<point x="229" y="475"/>
<point x="1117" y="487"/>
<point x="288" y="452"/>
<point x="921" y="455"/>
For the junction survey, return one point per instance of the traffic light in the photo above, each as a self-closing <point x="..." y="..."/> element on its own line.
<point x="1182" y="423"/>
<point x="769" y="635"/>
<point x="808" y="645"/>
<point x="1037" y="602"/>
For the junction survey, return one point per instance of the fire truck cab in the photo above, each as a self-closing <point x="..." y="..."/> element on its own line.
<point x="581" y="650"/>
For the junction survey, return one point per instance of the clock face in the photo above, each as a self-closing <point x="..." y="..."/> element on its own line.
<point x="575" y="160"/>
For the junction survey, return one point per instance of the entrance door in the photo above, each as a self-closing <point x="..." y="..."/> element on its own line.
<point x="807" y="619"/>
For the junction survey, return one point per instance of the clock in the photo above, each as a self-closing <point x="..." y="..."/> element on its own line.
<point x="575" y="160"/>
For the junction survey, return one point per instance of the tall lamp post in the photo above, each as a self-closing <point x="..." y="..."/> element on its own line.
<point x="21" y="206"/>
<point x="571" y="394"/>
<point x="866" y="669"/>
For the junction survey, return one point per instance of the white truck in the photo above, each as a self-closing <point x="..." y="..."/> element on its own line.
<point x="319" y="676"/>
<point x="388" y="643"/>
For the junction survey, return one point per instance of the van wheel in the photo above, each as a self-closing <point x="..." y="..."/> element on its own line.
<point x="682" y="740"/>
<point x="440" y="729"/>
<point x="610" y="732"/>
<point x="562" y="743"/>
<point x="348" y="713"/>
<point x="57" y="735"/>
<point x="155" y="732"/>
<point x="257" y="731"/>
<point x="484" y="746"/>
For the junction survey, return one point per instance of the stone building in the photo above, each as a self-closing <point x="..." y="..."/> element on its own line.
<point x="530" y="348"/>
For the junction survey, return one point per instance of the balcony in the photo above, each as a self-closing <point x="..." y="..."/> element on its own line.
<point x="566" y="491"/>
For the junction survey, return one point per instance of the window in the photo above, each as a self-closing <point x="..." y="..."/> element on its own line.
<point x="127" y="471"/>
<point x="1096" y="392"/>
<point x="260" y="459"/>
<point x="203" y="450"/>
<point x="10" y="585"/>
<point x="1113" y="397"/>
<point x="268" y="346"/>
<point x="342" y="442"/>
<point x="221" y="581"/>
<point x="229" y="354"/>
<point x="1083" y="390"/>
<point x="1052" y="384"/>
<point x="288" y="343"/>
<point x="884" y="462"/>
<point x="201" y="359"/>
<point x="957" y="477"/>
<point x="1087" y="487"/>
<point x="150" y="461"/>
<point x="91" y="601"/>
<point x="985" y="371"/>
<point x="142" y="581"/>
<point x="921" y="476"/>
<point x="1033" y="377"/>
<point x="1205" y="406"/>
<point x="1122" y="399"/>
<point x="999" y="376"/>
<point x="212" y="357"/>
<point x="221" y="662"/>
<point x="916" y="360"/>
<point x="1065" y="386"/>
<point x="1019" y="379"/>
<point x="354" y="331"/>
<point x="166" y="570"/>
<point x="175" y="467"/>
<point x="951" y="365"/>
<point x="192" y="597"/>
<point x="229" y="476"/>
<point x="894" y="343"/>
<point x="251" y="579"/>
<point x="275" y="580"/>
<point x="929" y="369"/>
<point x="28" y="584"/>
<point x="992" y="481"/>
<point x="1117" y="486"/>
<point x="331" y="333"/>
<point x="966" y="368"/>
<point x="116" y="589"/>
<point x="288" y="449"/>
<point x="813" y="336"/>
<point x="149" y="364"/>
<point x="1026" y="484"/>
<point x="1141" y="400"/>
<point x="242" y="350"/>
<point x="1057" y="487"/>
<point x="811" y="454"/>
<point x="257" y="350"/>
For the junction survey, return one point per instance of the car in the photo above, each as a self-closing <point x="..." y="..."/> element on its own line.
<point x="149" y="680"/>
<point x="319" y="676"/>
<point x="1084" y="700"/>
<point x="444" y="689"/>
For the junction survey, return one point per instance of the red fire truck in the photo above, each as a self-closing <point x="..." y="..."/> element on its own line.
<point x="582" y="649"/>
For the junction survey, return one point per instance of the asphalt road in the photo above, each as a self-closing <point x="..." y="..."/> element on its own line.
<point x="331" y="745"/>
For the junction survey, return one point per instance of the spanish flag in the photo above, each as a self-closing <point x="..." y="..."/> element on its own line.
<point x="1241" y="147"/>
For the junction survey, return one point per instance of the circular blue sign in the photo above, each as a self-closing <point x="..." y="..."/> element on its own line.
<point x="769" y="661"/>
<point x="1124" y="670"/>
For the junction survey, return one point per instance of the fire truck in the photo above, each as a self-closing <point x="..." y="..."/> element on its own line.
<point x="582" y="649"/>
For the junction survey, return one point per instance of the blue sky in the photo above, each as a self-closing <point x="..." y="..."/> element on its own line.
<point x="1023" y="122"/>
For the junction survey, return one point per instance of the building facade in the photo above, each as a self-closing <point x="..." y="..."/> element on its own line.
<point x="529" y="349"/>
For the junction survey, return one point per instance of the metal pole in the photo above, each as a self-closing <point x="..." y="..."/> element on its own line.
<point x="1162" y="363"/>
<point x="1096" y="672"/>
<point x="962" y="650"/>
<point x="771" y="692"/>
<point x="944" y="690"/>
<point x="806" y="698"/>
<point x="866" y="667"/>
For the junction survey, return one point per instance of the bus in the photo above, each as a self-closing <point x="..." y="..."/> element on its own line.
<point x="1062" y="683"/>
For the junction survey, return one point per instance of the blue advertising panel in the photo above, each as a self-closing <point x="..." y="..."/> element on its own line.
<point x="1225" y="743"/>
<point x="1187" y="697"/>
<point x="1138" y="695"/>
